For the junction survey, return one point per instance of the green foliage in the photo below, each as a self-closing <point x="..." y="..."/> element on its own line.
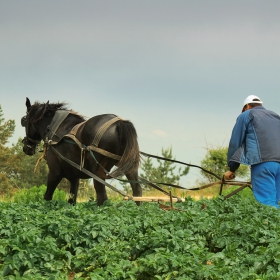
<point x="21" y="174"/>
<point x="229" y="239"/>
<point x="7" y="129"/>
<point x="164" y="171"/>
<point x="36" y="194"/>
<point x="16" y="168"/>
<point x="86" y="189"/>
<point x="244" y="194"/>
<point x="216" y="162"/>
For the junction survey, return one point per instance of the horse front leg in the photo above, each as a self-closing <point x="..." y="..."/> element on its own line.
<point x="136" y="187"/>
<point x="73" y="190"/>
<point x="101" y="194"/>
<point x="53" y="181"/>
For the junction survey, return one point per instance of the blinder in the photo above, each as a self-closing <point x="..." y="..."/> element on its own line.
<point x="28" y="142"/>
<point x="24" y="121"/>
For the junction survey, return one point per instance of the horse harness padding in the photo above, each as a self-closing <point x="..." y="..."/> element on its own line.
<point x="54" y="137"/>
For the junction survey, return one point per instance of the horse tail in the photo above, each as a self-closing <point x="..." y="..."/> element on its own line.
<point x="130" y="159"/>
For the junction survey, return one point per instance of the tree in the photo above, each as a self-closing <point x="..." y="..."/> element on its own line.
<point x="16" y="168"/>
<point x="164" y="171"/>
<point x="7" y="129"/>
<point x="216" y="162"/>
<point x="21" y="174"/>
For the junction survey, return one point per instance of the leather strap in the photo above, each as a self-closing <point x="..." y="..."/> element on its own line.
<point x="75" y="129"/>
<point x="102" y="129"/>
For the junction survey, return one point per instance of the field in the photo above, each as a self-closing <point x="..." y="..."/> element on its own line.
<point x="209" y="239"/>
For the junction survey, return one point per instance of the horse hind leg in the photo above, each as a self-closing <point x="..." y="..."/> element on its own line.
<point x="73" y="190"/>
<point x="136" y="187"/>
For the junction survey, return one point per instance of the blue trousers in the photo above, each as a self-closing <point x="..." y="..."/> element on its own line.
<point x="265" y="179"/>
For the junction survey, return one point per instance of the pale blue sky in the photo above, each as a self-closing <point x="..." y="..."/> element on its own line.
<point x="179" y="70"/>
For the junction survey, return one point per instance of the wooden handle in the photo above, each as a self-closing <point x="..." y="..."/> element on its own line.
<point x="153" y="199"/>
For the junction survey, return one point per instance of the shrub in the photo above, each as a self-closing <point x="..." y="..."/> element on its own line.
<point x="36" y="194"/>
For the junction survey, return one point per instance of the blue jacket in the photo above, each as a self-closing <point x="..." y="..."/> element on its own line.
<point x="255" y="138"/>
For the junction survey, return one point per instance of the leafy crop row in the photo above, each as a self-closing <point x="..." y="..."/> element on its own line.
<point x="232" y="239"/>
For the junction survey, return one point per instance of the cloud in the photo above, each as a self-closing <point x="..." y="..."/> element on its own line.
<point x="160" y="133"/>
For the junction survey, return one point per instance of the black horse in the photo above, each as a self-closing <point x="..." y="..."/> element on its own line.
<point x="95" y="145"/>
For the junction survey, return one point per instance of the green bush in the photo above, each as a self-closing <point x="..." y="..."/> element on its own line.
<point x="36" y="194"/>
<point x="244" y="194"/>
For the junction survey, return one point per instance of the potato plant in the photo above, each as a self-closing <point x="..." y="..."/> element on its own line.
<point x="229" y="239"/>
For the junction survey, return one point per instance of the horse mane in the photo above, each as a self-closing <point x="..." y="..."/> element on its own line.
<point x="38" y="110"/>
<point x="52" y="106"/>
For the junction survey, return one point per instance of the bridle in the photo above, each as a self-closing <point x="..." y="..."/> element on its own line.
<point x="28" y="120"/>
<point x="27" y="139"/>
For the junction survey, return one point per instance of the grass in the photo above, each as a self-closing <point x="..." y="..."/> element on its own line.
<point x="208" y="193"/>
<point x="87" y="194"/>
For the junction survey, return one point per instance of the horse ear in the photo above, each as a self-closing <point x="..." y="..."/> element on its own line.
<point x="27" y="103"/>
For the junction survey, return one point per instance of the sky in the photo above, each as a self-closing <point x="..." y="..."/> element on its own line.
<point x="178" y="69"/>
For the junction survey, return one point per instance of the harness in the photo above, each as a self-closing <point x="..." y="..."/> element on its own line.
<point x="54" y="136"/>
<point x="96" y="140"/>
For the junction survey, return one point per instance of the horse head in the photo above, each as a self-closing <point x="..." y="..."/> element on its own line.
<point x="38" y="117"/>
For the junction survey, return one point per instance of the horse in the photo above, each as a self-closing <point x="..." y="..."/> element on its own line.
<point x="100" y="143"/>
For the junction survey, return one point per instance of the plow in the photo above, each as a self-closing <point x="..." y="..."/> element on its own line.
<point x="169" y="196"/>
<point x="173" y="199"/>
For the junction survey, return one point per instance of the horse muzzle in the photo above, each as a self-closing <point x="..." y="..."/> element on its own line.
<point x="28" y="149"/>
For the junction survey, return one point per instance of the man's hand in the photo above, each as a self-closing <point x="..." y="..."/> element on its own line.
<point x="229" y="175"/>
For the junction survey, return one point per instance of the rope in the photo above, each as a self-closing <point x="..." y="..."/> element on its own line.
<point x="40" y="158"/>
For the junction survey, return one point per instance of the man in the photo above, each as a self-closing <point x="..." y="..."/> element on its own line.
<point x="255" y="141"/>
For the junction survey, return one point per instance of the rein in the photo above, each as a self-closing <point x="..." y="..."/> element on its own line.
<point x="145" y="181"/>
<point x="221" y="181"/>
<point x="188" y="164"/>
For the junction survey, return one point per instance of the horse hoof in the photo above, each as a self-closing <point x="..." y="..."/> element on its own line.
<point x="71" y="201"/>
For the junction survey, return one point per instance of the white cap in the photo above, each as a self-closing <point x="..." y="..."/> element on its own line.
<point x="250" y="99"/>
